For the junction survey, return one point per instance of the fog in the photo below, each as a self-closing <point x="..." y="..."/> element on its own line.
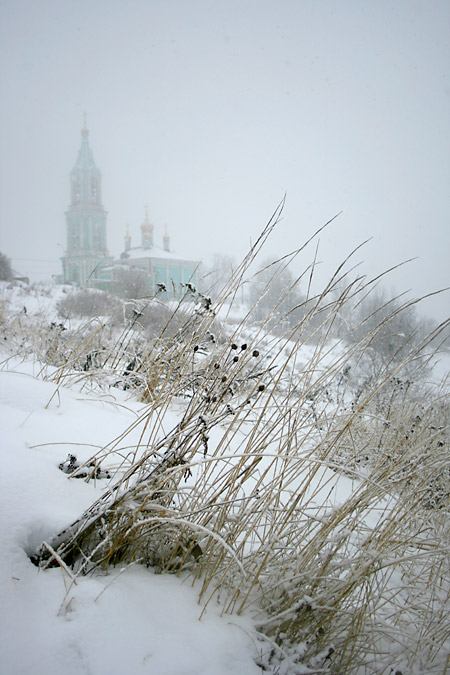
<point x="212" y="111"/>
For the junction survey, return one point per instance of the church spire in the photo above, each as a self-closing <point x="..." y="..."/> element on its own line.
<point x="85" y="177"/>
<point x="84" y="130"/>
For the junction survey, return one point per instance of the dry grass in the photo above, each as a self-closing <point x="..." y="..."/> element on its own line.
<point x="287" y="489"/>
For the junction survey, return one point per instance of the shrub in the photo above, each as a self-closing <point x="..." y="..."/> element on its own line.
<point x="133" y="283"/>
<point x="87" y="303"/>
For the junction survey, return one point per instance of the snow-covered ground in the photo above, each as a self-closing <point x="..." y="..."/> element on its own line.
<point x="130" y="621"/>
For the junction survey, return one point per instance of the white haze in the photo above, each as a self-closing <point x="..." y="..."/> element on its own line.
<point x="211" y="111"/>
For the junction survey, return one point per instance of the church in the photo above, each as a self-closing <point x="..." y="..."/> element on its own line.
<point x="87" y="262"/>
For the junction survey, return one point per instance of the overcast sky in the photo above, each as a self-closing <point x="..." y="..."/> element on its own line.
<point x="210" y="111"/>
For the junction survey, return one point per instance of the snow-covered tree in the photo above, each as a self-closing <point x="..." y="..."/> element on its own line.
<point x="391" y="326"/>
<point x="133" y="283"/>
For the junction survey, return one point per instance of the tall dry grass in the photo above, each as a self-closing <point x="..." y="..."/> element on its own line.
<point x="292" y="487"/>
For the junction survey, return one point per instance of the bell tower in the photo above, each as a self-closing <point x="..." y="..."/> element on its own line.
<point x="86" y="253"/>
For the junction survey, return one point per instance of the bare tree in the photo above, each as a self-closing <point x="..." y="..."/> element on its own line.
<point x="133" y="283"/>
<point x="391" y="327"/>
<point x="216" y="274"/>
<point x="6" y="273"/>
<point x="275" y="296"/>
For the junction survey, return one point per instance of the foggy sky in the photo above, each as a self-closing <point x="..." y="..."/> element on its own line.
<point x="210" y="111"/>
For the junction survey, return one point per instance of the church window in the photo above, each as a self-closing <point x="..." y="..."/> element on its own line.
<point x="76" y="190"/>
<point x="94" y="190"/>
<point x="76" y="237"/>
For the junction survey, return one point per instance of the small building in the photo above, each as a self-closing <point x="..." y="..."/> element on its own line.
<point x="166" y="271"/>
<point x="87" y="262"/>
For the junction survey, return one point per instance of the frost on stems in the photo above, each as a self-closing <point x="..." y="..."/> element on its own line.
<point x="245" y="491"/>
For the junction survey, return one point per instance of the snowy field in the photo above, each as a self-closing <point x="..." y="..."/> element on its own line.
<point x="126" y="622"/>
<point x="132" y="619"/>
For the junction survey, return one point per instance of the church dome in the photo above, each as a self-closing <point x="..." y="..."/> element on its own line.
<point x="147" y="231"/>
<point x="146" y="225"/>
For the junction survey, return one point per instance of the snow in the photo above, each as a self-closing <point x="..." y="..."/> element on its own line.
<point x="154" y="252"/>
<point x="36" y="299"/>
<point x="130" y="621"/>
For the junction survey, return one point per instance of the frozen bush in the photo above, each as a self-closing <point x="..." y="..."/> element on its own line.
<point x="86" y="303"/>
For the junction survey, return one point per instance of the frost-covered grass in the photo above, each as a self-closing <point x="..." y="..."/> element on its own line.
<point x="292" y="487"/>
<point x="129" y="621"/>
